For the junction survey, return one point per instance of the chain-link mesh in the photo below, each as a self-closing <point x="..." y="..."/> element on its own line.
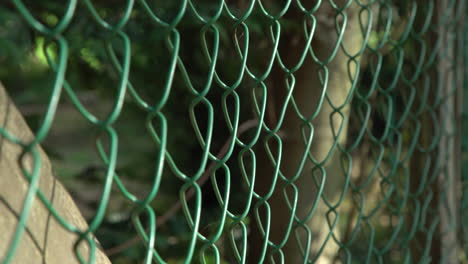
<point x="259" y="131"/>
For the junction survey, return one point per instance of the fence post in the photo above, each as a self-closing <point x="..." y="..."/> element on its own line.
<point x="40" y="238"/>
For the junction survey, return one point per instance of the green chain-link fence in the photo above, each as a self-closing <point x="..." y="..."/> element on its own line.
<point x="236" y="131"/>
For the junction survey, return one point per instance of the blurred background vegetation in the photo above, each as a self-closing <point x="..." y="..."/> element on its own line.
<point x="71" y="143"/>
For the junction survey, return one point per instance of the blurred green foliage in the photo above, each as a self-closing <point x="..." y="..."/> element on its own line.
<point x="28" y="78"/>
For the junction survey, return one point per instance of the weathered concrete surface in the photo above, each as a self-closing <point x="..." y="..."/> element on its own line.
<point x="44" y="240"/>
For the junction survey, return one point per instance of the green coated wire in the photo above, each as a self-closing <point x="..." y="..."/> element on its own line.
<point x="390" y="117"/>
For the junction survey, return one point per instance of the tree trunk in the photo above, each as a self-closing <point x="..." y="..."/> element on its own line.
<point x="325" y="124"/>
<point x="444" y="168"/>
<point x="44" y="239"/>
<point x="450" y="147"/>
